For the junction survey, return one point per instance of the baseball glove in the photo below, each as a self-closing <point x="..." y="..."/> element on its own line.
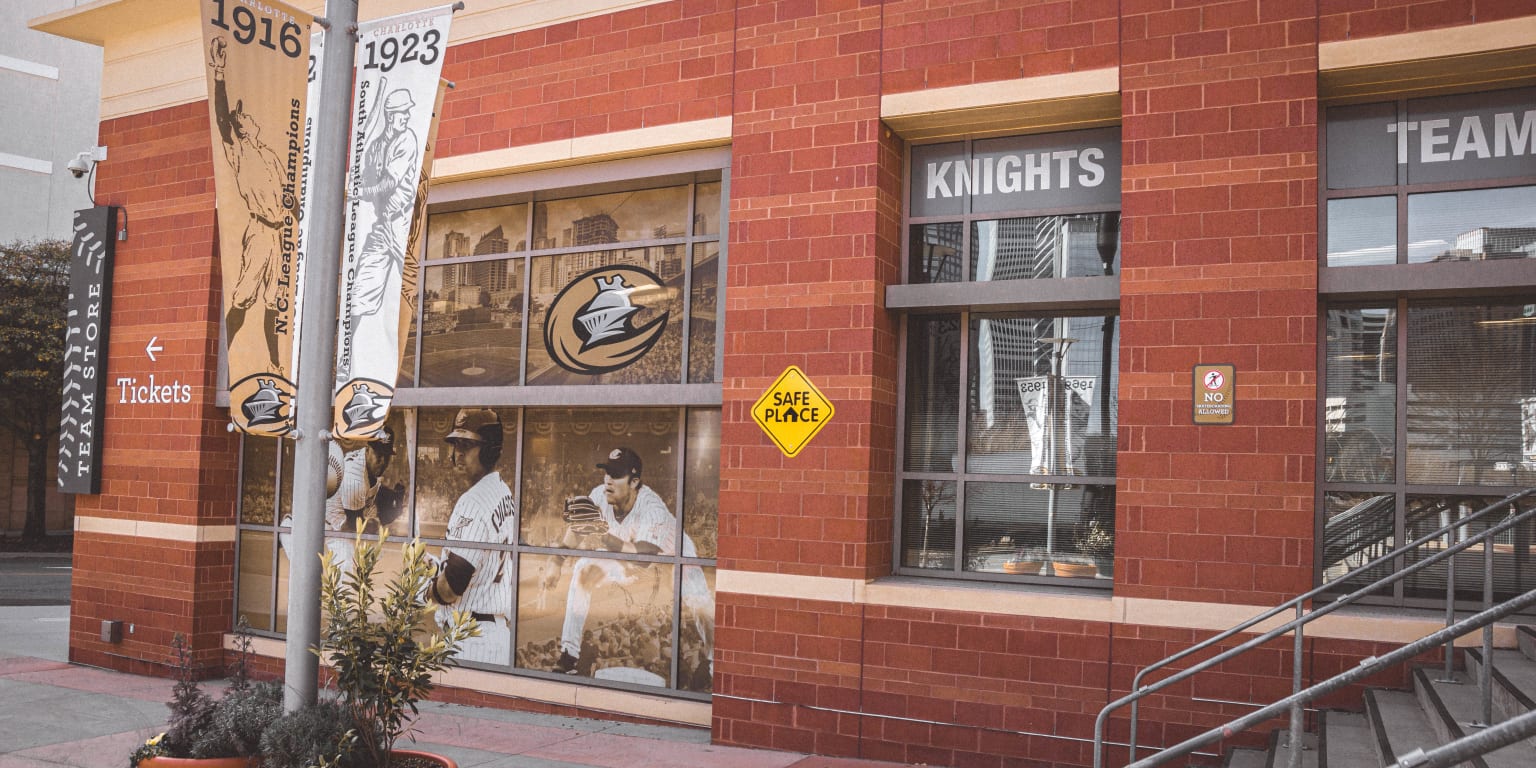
<point x="583" y="517"/>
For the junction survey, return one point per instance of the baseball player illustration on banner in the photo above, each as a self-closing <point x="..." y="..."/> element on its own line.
<point x="390" y="165"/>
<point x="472" y="579"/>
<point x="257" y="69"/>
<point x="356" y="493"/>
<point x="399" y="61"/>
<point x="259" y="179"/>
<point x="623" y="514"/>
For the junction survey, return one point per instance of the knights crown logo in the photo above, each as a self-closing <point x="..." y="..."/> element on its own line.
<point x="265" y="405"/>
<point x="590" y="327"/>
<point x="365" y="407"/>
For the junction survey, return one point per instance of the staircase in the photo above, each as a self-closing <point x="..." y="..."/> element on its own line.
<point x="1398" y="723"/>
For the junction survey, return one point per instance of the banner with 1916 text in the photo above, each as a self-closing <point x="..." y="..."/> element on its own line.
<point x="399" y="64"/>
<point x="257" y="57"/>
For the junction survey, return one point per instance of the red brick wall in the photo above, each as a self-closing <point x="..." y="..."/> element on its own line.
<point x="964" y="688"/>
<point x="1354" y="19"/>
<point x="939" y="43"/>
<point x="166" y="463"/>
<point x="814" y="242"/>
<point x="814" y="239"/>
<point x="1220" y="266"/>
<point x="643" y="67"/>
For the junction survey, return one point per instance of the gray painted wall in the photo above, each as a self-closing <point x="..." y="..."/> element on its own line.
<point x="44" y="119"/>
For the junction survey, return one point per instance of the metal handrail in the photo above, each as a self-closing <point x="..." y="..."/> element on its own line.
<point x="1365" y="669"/>
<point x="1138" y="691"/>
<point x="1477" y="743"/>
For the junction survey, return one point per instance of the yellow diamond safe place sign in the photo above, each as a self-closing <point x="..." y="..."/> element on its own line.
<point x="792" y="411"/>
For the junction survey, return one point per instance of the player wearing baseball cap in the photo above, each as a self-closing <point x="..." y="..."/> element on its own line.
<point x="471" y="579"/>
<point x="629" y="517"/>
<point x="355" y="492"/>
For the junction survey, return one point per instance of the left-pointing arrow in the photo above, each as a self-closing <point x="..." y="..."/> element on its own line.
<point x="151" y="348"/>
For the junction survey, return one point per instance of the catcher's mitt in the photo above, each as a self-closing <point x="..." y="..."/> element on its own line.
<point x="583" y="517"/>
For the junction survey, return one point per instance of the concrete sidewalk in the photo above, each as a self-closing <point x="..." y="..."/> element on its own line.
<point x="56" y="714"/>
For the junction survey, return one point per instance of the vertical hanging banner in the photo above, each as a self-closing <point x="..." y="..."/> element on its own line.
<point x="258" y="59"/>
<point x="85" y="342"/>
<point x="306" y="200"/>
<point x="399" y="63"/>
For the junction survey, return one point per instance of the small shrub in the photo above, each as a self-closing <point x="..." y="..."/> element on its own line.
<point x="315" y="735"/>
<point x="235" y="727"/>
<point x="370" y="638"/>
<point x="191" y="707"/>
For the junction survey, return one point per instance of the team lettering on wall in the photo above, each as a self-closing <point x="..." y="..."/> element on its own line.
<point x="1514" y="134"/>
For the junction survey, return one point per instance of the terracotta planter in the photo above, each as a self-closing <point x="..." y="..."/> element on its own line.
<point x="1076" y="570"/>
<point x="200" y="762"/>
<point x="445" y="762"/>
<point x="1023" y="567"/>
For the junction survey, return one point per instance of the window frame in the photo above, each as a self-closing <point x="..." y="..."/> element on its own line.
<point x="1048" y="297"/>
<point x="1399" y="285"/>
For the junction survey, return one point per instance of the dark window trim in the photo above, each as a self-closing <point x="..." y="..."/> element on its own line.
<point x="1046" y="295"/>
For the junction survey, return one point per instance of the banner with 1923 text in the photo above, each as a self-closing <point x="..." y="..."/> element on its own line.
<point x="399" y="64"/>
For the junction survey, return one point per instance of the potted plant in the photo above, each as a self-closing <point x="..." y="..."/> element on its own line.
<point x="382" y="661"/>
<point x="206" y="733"/>
<point x="1097" y="541"/>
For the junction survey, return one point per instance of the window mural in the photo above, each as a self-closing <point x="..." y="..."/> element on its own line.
<point x="581" y="537"/>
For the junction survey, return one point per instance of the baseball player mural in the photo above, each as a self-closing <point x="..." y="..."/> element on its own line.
<point x="257" y="68"/>
<point x="357" y="492"/>
<point x="470" y="578"/>
<point x="622" y="514"/>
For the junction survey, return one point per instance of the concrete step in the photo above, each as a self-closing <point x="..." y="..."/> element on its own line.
<point x="1454" y="710"/>
<point x="1526" y="637"/>
<point x="1280" y="749"/>
<point x="1245" y="758"/>
<point x="1397" y="724"/>
<point x="1514" y="681"/>
<point x="1347" y="741"/>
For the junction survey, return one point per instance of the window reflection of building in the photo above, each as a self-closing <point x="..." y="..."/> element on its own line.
<point x="491" y="242"/>
<point x="1492" y="243"/>
<point x="455" y="244"/>
<point x="594" y="230"/>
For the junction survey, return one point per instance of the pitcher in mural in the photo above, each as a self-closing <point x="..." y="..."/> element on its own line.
<point x="625" y="515"/>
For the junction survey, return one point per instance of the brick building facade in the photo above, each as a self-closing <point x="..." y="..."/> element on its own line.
<point x="832" y="635"/>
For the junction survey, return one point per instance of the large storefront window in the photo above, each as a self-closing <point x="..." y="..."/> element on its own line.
<point x="1429" y="403"/>
<point x="1009" y="396"/>
<point x="580" y="531"/>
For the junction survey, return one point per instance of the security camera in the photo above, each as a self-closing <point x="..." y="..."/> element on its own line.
<point x="81" y="165"/>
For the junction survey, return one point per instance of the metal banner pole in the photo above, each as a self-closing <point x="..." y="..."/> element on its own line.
<point x="317" y="357"/>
